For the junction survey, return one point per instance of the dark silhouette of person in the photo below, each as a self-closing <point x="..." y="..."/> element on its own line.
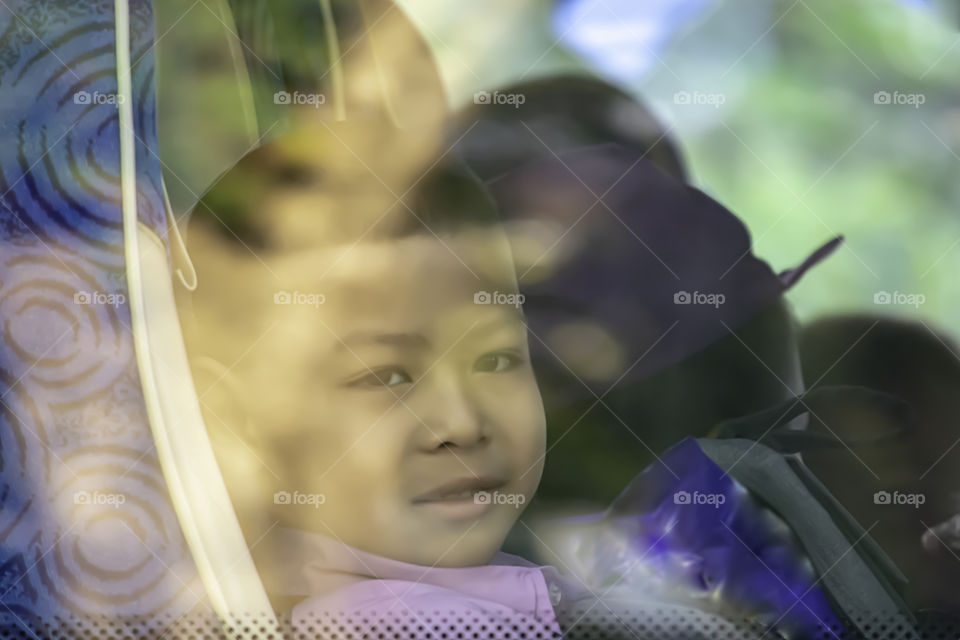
<point x="917" y="469"/>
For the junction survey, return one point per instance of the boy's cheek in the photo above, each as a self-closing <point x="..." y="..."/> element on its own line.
<point x="530" y="479"/>
<point x="518" y="415"/>
<point x="356" y="490"/>
<point x="532" y="459"/>
<point x="326" y="446"/>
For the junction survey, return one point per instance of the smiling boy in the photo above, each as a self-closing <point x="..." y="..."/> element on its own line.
<point x="363" y="364"/>
<point x="363" y="392"/>
<point x="398" y="398"/>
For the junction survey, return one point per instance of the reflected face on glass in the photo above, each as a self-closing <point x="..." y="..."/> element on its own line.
<point x="393" y="402"/>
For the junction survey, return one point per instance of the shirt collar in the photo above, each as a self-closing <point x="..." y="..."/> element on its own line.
<point x="312" y="564"/>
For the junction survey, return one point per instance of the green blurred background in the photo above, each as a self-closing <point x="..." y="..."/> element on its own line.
<point x="799" y="148"/>
<point x="787" y="132"/>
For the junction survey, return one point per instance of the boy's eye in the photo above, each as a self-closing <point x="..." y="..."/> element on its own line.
<point x="497" y="362"/>
<point x="389" y="377"/>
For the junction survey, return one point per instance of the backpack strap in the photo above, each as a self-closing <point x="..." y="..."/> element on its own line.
<point x="769" y="425"/>
<point x="862" y="582"/>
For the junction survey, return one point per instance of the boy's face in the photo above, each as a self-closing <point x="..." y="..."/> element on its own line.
<point x="396" y="397"/>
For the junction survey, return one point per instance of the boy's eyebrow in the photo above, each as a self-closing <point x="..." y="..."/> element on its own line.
<point x="418" y="340"/>
<point x="408" y="340"/>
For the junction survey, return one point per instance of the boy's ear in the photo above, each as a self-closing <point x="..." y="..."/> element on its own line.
<point x="221" y="396"/>
<point x="241" y="454"/>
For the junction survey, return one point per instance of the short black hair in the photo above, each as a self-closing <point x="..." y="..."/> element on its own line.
<point x="379" y="192"/>
<point x="560" y="113"/>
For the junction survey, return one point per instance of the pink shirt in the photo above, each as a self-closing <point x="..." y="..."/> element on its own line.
<point x="383" y="591"/>
<point x="349" y="591"/>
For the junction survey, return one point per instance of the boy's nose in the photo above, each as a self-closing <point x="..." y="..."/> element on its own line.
<point x="451" y="415"/>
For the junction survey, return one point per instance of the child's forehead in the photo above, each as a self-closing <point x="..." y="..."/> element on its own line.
<point x="478" y="254"/>
<point x="418" y="283"/>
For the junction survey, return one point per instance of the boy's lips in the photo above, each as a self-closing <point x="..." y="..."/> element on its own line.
<point x="461" y="499"/>
<point x="461" y="489"/>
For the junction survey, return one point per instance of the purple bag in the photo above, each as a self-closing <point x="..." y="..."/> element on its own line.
<point x="685" y="532"/>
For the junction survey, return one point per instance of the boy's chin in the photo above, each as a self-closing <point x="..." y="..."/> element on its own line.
<point x="467" y="548"/>
<point x="466" y="554"/>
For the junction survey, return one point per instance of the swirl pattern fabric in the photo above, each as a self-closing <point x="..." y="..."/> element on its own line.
<point x="86" y="525"/>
